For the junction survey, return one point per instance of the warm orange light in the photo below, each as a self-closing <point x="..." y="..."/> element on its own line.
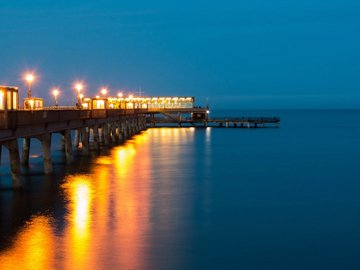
<point x="104" y="91"/>
<point x="29" y="77"/>
<point x="31" y="102"/>
<point x="81" y="96"/>
<point x="131" y="96"/>
<point x="79" y="86"/>
<point x="55" y="92"/>
<point x="120" y="95"/>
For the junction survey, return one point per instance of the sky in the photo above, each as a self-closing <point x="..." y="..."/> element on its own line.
<point x="244" y="54"/>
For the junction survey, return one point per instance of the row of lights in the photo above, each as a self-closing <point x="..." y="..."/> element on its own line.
<point x="56" y="91"/>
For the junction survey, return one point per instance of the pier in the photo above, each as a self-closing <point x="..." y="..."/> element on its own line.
<point x="95" y="122"/>
<point x="92" y="129"/>
<point x="199" y="117"/>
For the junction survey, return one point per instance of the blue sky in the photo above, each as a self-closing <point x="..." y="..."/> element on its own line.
<point x="249" y="54"/>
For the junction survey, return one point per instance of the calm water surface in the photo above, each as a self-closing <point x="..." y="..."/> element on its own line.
<point x="285" y="198"/>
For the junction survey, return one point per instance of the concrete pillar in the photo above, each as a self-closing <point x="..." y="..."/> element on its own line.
<point x="120" y="133"/>
<point x="96" y="137"/>
<point x="101" y="135"/>
<point x="248" y="124"/>
<point x="68" y="147"/>
<point x="114" y="137"/>
<point x="125" y="130"/>
<point x="62" y="142"/>
<point x="85" y="141"/>
<point x="227" y="124"/>
<point x="106" y="136"/>
<point x="46" y="149"/>
<point x="25" y="152"/>
<point x="15" y="167"/>
<point x="76" y="138"/>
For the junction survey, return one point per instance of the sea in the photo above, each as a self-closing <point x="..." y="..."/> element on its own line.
<point x="194" y="198"/>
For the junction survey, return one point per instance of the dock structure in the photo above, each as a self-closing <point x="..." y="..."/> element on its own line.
<point x="199" y="117"/>
<point x="95" y="122"/>
<point x="92" y="129"/>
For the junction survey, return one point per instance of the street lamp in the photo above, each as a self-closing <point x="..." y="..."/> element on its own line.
<point x="78" y="87"/>
<point x="29" y="78"/>
<point x="55" y="93"/>
<point x="104" y="91"/>
<point x="120" y="95"/>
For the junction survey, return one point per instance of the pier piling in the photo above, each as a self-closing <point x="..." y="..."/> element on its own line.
<point x="15" y="167"/>
<point x="68" y="146"/>
<point x="25" y="152"/>
<point x="46" y="149"/>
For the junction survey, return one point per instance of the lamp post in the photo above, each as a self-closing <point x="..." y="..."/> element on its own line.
<point x="29" y="78"/>
<point x="55" y="93"/>
<point x="78" y="88"/>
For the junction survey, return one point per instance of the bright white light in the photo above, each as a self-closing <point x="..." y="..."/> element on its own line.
<point x="104" y="91"/>
<point x="55" y="92"/>
<point x="79" y="87"/>
<point x="29" y="77"/>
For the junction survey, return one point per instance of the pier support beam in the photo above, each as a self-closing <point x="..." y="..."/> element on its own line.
<point x="46" y="145"/>
<point x="76" y="138"/>
<point x="15" y="167"/>
<point x="85" y="141"/>
<point x="67" y="146"/>
<point x="62" y="142"/>
<point x="25" y="152"/>
<point x="96" y="137"/>
<point x="106" y="135"/>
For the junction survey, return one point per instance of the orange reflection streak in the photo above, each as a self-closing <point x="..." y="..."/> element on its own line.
<point x="34" y="247"/>
<point x="79" y="191"/>
<point x="108" y="217"/>
<point x="132" y="211"/>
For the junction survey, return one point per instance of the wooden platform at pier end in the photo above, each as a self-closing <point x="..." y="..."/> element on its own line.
<point x="199" y="117"/>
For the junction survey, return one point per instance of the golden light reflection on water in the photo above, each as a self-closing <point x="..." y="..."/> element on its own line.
<point x="79" y="192"/>
<point x="108" y="212"/>
<point x="34" y="247"/>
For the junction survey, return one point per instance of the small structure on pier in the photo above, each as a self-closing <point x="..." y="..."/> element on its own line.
<point x="9" y="101"/>
<point x="33" y="103"/>
<point x="9" y="98"/>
